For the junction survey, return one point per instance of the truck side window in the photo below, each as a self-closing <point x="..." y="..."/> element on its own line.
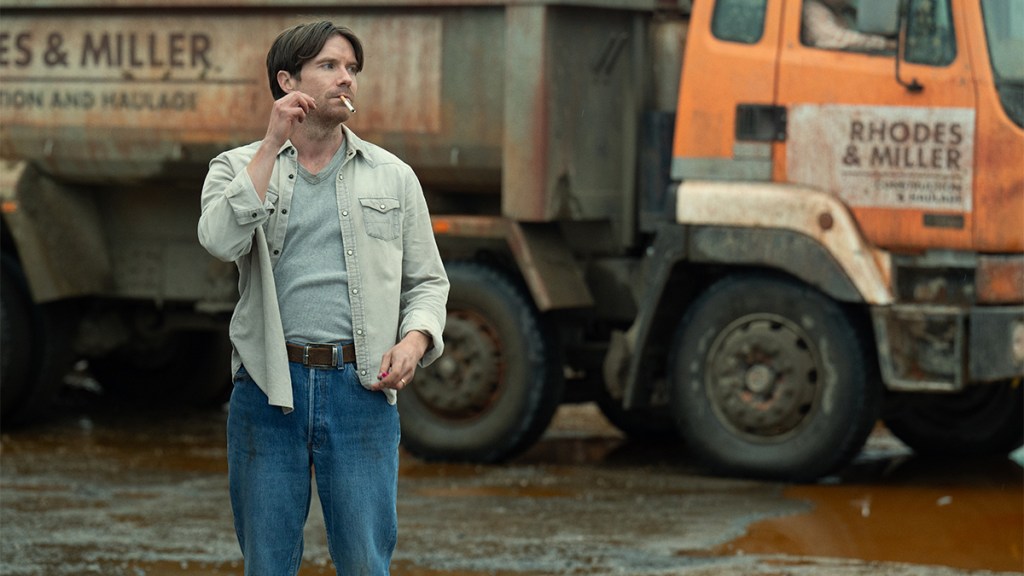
<point x="830" y="25"/>
<point x="930" y="37"/>
<point x="739" y="20"/>
<point x="1004" y="30"/>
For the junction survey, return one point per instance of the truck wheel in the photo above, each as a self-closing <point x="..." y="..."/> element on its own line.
<point x="770" y="379"/>
<point x="192" y="367"/>
<point x="15" y="338"/>
<point x="496" y="387"/>
<point x="983" y="419"/>
<point x="46" y="347"/>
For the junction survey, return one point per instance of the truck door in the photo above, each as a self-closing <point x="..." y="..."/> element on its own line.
<point x="997" y="46"/>
<point x="896" y="144"/>
<point x="724" y="121"/>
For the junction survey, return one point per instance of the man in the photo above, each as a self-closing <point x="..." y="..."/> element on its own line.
<point x="336" y="258"/>
<point x="824" y="26"/>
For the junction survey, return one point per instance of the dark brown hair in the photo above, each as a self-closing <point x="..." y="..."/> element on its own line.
<point x="299" y="44"/>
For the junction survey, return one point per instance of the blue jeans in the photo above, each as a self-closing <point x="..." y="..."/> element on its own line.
<point x="350" y="436"/>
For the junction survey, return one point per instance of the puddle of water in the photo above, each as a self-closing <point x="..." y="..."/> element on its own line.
<point x="973" y="518"/>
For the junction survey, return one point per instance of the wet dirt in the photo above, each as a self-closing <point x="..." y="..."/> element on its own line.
<point x="107" y="488"/>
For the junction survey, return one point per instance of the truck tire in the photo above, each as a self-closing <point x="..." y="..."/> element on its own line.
<point x="184" y="367"/>
<point x="983" y="419"/>
<point x="496" y="387"/>
<point x="15" y="338"/>
<point x="769" y="379"/>
<point x="36" y="348"/>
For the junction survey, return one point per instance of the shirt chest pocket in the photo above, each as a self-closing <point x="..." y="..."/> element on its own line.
<point x="381" y="217"/>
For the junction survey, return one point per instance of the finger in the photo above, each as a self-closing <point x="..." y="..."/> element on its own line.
<point x="306" y="101"/>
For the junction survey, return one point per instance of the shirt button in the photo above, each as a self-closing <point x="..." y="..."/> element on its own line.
<point x="363" y="372"/>
<point x="284" y="211"/>
<point x="349" y="252"/>
<point x="271" y="210"/>
<point x="355" y="290"/>
<point x="382" y="207"/>
<point x="276" y="252"/>
<point x="291" y="176"/>
<point x="254" y="214"/>
<point x="344" y="212"/>
<point x="359" y="332"/>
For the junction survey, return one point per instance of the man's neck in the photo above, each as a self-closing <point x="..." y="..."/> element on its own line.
<point x="316" y="145"/>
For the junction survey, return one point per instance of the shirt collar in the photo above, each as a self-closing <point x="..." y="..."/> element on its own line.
<point x="354" y="143"/>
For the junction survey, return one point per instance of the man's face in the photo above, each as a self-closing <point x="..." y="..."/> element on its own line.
<point x="328" y="76"/>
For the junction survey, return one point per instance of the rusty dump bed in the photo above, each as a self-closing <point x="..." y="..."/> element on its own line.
<point x="101" y="91"/>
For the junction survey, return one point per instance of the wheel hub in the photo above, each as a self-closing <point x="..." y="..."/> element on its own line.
<point x="763" y="377"/>
<point x="465" y="381"/>
<point x="759" y="378"/>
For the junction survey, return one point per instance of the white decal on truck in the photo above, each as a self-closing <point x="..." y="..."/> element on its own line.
<point x="887" y="157"/>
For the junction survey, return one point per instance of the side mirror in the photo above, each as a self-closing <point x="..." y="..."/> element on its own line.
<point x="880" y="17"/>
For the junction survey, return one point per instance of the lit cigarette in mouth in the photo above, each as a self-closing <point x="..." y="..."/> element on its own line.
<point x="348" y="104"/>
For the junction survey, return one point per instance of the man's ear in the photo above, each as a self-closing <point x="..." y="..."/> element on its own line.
<point x="285" y="81"/>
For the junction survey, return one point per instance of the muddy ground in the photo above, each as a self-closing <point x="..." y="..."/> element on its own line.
<point x="119" y="489"/>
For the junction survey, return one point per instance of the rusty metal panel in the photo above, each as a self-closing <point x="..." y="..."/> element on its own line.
<point x="130" y="96"/>
<point x="198" y="76"/>
<point x="539" y="99"/>
<point x="921" y="348"/>
<point x="572" y="113"/>
<point x="648" y="5"/>
<point x="1000" y="279"/>
<point x="550" y="270"/>
<point x="58" y="231"/>
<point x="527" y="78"/>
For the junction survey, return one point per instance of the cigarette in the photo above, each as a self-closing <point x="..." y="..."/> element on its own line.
<point x="348" y="104"/>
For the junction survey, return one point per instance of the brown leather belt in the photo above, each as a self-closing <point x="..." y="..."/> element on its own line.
<point x="321" y="355"/>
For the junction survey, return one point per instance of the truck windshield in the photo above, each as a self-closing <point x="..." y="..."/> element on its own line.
<point x="1004" y="28"/>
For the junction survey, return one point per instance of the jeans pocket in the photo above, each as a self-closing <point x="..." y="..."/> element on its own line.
<point x="381" y="217"/>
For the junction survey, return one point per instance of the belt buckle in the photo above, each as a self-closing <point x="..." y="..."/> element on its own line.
<point x="334" y="355"/>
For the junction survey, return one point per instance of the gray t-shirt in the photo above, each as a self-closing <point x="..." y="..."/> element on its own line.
<point x="311" y="277"/>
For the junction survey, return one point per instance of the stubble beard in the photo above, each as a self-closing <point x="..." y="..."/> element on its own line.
<point x="324" y="121"/>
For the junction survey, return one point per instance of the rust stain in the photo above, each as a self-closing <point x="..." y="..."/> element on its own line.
<point x="1000" y="279"/>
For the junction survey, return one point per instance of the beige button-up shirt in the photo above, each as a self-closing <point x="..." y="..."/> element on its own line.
<point x="397" y="282"/>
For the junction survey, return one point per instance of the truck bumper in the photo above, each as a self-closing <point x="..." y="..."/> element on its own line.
<point x="944" y="348"/>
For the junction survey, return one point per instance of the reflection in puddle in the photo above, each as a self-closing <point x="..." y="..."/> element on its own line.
<point x="959" y="514"/>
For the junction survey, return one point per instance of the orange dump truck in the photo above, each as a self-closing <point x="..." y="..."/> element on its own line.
<point x="700" y="216"/>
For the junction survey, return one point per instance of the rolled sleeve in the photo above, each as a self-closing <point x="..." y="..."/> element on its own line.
<point x="231" y="209"/>
<point x="245" y="202"/>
